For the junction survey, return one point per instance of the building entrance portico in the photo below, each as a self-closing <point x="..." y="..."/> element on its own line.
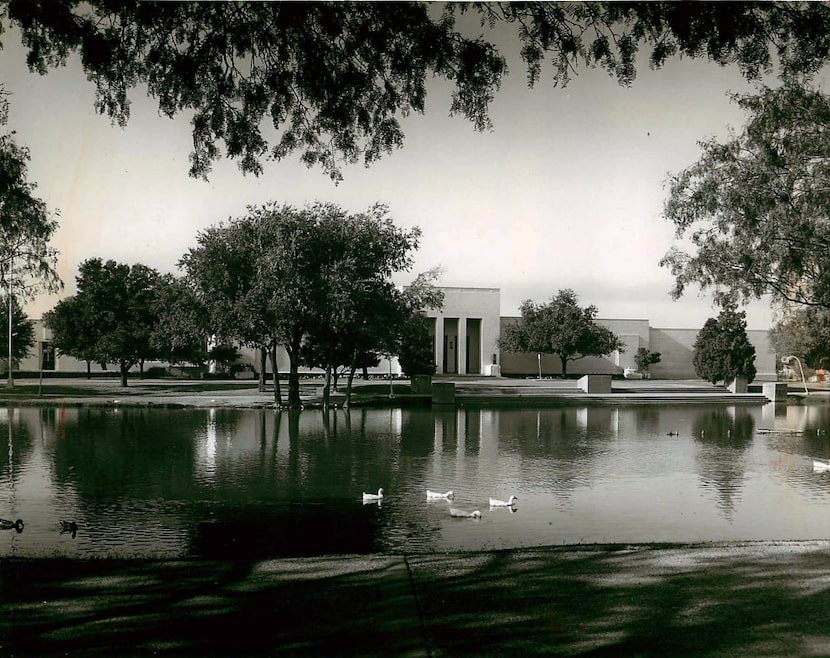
<point x="465" y="331"/>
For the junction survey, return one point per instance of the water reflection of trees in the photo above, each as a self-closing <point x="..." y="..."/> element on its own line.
<point x="16" y="441"/>
<point x="647" y="418"/>
<point x="567" y="433"/>
<point x="387" y="449"/>
<point x="137" y="453"/>
<point x="722" y="435"/>
<point x="275" y="482"/>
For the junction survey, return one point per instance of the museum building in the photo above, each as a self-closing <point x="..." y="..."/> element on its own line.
<point x="465" y="333"/>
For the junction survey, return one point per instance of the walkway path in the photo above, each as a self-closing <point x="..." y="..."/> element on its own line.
<point x="244" y="394"/>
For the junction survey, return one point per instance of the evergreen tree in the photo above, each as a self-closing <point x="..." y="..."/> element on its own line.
<point x="722" y="350"/>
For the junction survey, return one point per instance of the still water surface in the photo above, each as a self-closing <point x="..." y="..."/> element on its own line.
<point x="258" y="483"/>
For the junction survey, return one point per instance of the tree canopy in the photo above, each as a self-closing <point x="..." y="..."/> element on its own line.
<point x="316" y="275"/>
<point x="179" y="334"/>
<point x="753" y="210"/>
<point x="334" y="79"/>
<point x="722" y="350"/>
<point x="73" y="327"/>
<point x="644" y="359"/>
<point x="803" y="332"/>
<point x="115" y="312"/>
<point x="23" y="330"/>
<point x="559" y="327"/>
<point x="416" y="354"/>
<point x="27" y="261"/>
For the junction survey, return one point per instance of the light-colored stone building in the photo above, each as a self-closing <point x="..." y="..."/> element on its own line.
<point x="465" y="331"/>
<point x="676" y="348"/>
<point x="465" y="334"/>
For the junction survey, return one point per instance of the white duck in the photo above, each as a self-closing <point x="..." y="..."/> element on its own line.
<point x="467" y="515"/>
<point x="503" y="503"/>
<point x="820" y="466"/>
<point x="370" y="497"/>
<point x="436" y="495"/>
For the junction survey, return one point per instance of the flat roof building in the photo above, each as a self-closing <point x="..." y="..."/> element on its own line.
<point x="465" y="333"/>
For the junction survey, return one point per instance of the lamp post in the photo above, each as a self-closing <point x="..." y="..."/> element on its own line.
<point x="787" y="360"/>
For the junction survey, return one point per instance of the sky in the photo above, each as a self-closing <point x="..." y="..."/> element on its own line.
<point x="566" y="191"/>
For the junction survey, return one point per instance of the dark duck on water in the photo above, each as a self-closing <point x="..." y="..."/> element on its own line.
<point x="11" y="525"/>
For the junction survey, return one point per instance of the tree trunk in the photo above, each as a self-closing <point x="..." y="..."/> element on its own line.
<point x="276" y="375"/>
<point x="365" y="374"/>
<point x="349" y="382"/>
<point x="293" y="371"/>
<point x="327" y="388"/>
<point x="89" y="369"/>
<point x="262" y="358"/>
<point x="123" y="372"/>
<point x="564" y="361"/>
<point x="141" y="368"/>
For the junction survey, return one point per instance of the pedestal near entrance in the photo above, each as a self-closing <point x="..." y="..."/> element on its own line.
<point x="421" y="384"/>
<point x="443" y="393"/>
<point x="595" y="383"/>
<point x="738" y="385"/>
<point x="775" y="391"/>
<point x="492" y="370"/>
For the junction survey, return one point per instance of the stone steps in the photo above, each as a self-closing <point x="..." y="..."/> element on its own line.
<point x="578" y="397"/>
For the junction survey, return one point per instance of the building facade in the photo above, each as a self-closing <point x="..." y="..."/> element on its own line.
<point x="465" y="333"/>
<point x="676" y="348"/>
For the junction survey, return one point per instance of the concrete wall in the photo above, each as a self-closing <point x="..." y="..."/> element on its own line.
<point x="676" y="347"/>
<point x="676" y="353"/>
<point x="633" y="333"/>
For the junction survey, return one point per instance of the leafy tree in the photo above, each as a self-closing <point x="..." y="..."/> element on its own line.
<point x="23" y="331"/>
<point x="122" y="299"/>
<point x="74" y="330"/>
<point x="224" y="356"/>
<point x="27" y="261"/>
<point x="754" y="209"/>
<point x="334" y="79"/>
<point x="416" y="350"/>
<point x="803" y="332"/>
<point x="722" y="350"/>
<point x="229" y="289"/>
<point x="282" y="276"/>
<point x="559" y="327"/>
<point x="339" y="360"/>
<point x="643" y="359"/>
<point x="380" y="319"/>
<point x="180" y="333"/>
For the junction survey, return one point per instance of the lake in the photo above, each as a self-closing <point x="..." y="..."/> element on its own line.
<point x="228" y="483"/>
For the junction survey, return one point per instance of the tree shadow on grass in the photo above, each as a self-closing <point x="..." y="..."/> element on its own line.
<point x="311" y="607"/>
<point x="672" y="602"/>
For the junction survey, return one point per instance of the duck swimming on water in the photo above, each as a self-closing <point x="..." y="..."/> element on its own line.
<point x="436" y="495"/>
<point x="503" y="503"/>
<point x="11" y="525"/>
<point x="370" y="497"/>
<point x="69" y="526"/>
